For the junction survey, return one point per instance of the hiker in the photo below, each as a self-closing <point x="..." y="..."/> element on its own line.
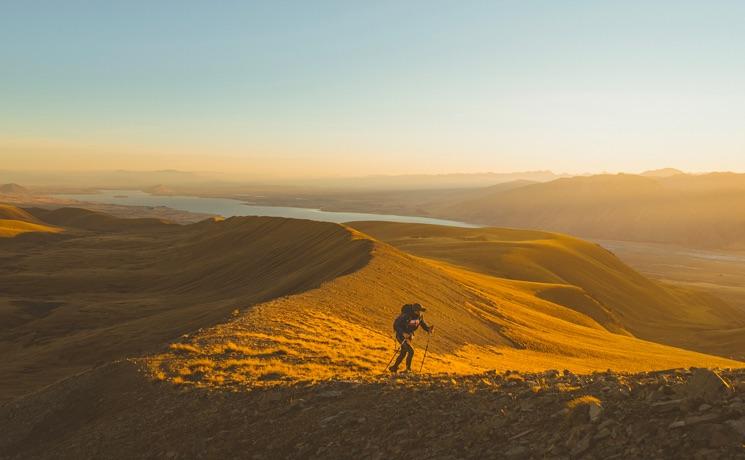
<point x="407" y="322"/>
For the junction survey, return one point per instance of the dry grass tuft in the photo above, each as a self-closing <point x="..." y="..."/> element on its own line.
<point x="566" y="388"/>
<point x="183" y="348"/>
<point x="514" y="378"/>
<point x="232" y="347"/>
<point x="583" y="401"/>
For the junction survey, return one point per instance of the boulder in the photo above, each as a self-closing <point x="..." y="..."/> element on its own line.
<point x="580" y="446"/>
<point x="595" y="411"/>
<point x="583" y="410"/>
<point x="706" y="385"/>
<point x="713" y="435"/>
<point x="737" y="425"/>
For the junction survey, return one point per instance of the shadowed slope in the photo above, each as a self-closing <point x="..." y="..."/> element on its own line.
<point x="95" y="221"/>
<point x="92" y="296"/>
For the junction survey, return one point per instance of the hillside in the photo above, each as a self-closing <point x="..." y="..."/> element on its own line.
<point x="13" y="189"/>
<point x="228" y="321"/>
<point x="93" y="220"/>
<point x="688" y="210"/>
<point x="342" y="330"/>
<point x="15" y="221"/>
<point x="159" y="189"/>
<point x="484" y="322"/>
<point x="562" y="300"/>
<point x="663" y="172"/>
<point x="579" y="275"/>
<point x="9" y="212"/>
<point x="417" y="202"/>
<point x="429" y="181"/>
<point x="93" y="296"/>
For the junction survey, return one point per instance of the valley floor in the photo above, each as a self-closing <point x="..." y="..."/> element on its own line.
<point x="721" y="273"/>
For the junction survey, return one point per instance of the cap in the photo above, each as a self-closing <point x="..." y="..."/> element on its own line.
<point x="418" y="307"/>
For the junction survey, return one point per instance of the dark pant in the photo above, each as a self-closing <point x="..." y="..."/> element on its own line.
<point x="407" y="351"/>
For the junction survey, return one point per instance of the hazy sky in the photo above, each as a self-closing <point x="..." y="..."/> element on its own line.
<point x="354" y="87"/>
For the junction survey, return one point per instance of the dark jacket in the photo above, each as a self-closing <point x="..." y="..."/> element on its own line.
<point x="407" y="323"/>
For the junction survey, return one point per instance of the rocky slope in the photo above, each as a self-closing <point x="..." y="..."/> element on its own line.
<point x="666" y="414"/>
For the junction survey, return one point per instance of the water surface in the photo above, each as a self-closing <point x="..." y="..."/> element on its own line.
<point x="228" y="207"/>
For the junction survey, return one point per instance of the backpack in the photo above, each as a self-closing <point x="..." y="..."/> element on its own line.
<point x="405" y="310"/>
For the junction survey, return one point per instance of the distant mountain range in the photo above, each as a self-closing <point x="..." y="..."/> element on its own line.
<point x="13" y="189"/>
<point x="691" y="210"/>
<point x="436" y="181"/>
<point x="664" y="172"/>
<point x="173" y="178"/>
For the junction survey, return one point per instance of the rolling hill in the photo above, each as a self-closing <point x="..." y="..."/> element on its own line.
<point x="93" y="220"/>
<point x="9" y="212"/>
<point x="15" y="221"/>
<point x="265" y="314"/>
<point x="502" y="298"/>
<point x="91" y="296"/>
<point x="342" y="330"/>
<point x="663" y="172"/>
<point x="579" y="275"/>
<point x="13" y="189"/>
<point x="558" y="305"/>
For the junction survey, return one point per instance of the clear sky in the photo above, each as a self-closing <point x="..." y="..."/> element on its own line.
<point x="355" y="87"/>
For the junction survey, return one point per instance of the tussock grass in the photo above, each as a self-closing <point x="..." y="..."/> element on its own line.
<point x="514" y="378"/>
<point x="312" y="346"/>
<point x="566" y="388"/>
<point x="583" y="401"/>
<point x="184" y="348"/>
<point x="200" y="363"/>
<point x="232" y="347"/>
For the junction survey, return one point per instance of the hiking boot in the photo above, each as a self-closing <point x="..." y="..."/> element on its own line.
<point x="393" y="369"/>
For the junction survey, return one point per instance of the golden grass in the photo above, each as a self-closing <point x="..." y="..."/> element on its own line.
<point x="10" y="212"/>
<point x="583" y="401"/>
<point x="342" y="330"/>
<point x="579" y="275"/>
<point x="241" y="357"/>
<point x="183" y="347"/>
<point x="10" y="228"/>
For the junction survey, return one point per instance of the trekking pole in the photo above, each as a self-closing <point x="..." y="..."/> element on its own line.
<point x="429" y="336"/>
<point x="394" y="354"/>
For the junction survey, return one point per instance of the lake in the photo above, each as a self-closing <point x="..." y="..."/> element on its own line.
<point x="228" y="207"/>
